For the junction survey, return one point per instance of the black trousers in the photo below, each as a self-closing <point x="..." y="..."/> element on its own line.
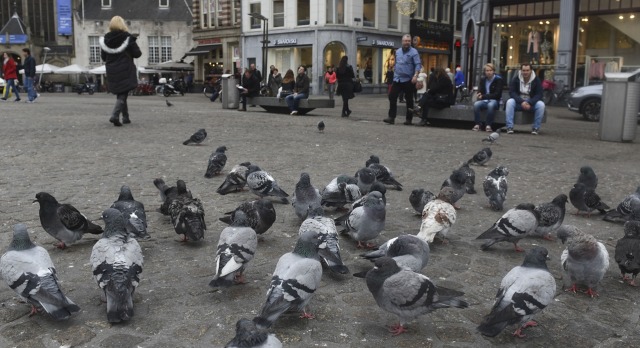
<point x="121" y="107"/>
<point x="408" y="88"/>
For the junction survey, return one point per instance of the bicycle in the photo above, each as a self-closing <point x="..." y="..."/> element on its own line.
<point x="554" y="92"/>
<point x="212" y="88"/>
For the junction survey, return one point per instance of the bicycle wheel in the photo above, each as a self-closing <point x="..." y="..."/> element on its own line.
<point x="207" y="91"/>
<point x="547" y="96"/>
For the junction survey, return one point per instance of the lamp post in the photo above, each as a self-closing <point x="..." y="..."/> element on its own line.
<point x="46" y="50"/>
<point x="265" y="42"/>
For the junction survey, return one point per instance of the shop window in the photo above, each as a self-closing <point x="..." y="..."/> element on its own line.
<point x="432" y="10"/>
<point x="335" y="11"/>
<point x="255" y="22"/>
<point x="540" y="8"/>
<point x="303" y="12"/>
<point x="365" y="64"/>
<point x="445" y="11"/>
<point x="393" y="14"/>
<point x="278" y="13"/>
<point x="369" y="13"/>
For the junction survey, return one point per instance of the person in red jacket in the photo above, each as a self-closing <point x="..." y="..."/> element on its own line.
<point x="10" y="74"/>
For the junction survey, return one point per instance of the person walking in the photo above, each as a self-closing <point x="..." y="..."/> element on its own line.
<point x="438" y="96"/>
<point x="489" y="95"/>
<point x="407" y="68"/>
<point x="118" y="49"/>
<point x="345" y="76"/>
<point x="301" y="90"/>
<point x="29" y="66"/>
<point x="525" y="91"/>
<point x="458" y="80"/>
<point x="10" y="73"/>
<point x="330" y="79"/>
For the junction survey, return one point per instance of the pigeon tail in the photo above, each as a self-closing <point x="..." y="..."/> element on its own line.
<point x="186" y="142"/>
<point x="161" y="185"/>
<point x="52" y="300"/>
<point x="262" y="322"/>
<point x="486" y="245"/>
<point x="227" y="219"/>
<point x="496" y="321"/>
<point x="342" y="269"/>
<point x="613" y="216"/>
<point x="119" y="293"/>
<point x="221" y="282"/>
<point x="448" y="302"/>
<point x="93" y="228"/>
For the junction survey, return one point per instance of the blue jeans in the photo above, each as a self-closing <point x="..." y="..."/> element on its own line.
<point x="11" y="85"/>
<point x="293" y="100"/>
<point x="512" y="107"/>
<point x="490" y="105"/>
<point x="31" y="91"/>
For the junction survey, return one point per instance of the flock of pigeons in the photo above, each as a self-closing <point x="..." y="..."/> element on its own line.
<point x="395" y="280"/>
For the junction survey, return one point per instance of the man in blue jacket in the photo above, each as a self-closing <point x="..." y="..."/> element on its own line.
<point x="405" y="77"/>
<point x="489" y="95"/>
<point x="525" y="91"/>
<point x="29" y="67"/>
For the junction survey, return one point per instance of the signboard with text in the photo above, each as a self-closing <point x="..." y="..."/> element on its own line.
<point x="65" y="23"/>
<point x="13" y="39"/>
<point x="437" y="34"/>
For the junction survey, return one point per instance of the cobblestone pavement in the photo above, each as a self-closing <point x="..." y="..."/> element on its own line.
<point x="65" y="145"/>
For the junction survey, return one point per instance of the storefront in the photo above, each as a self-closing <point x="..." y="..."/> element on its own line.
<point x="213" y="57"/>
<point x="375" y="56"/>
<point x="433" y="41"/>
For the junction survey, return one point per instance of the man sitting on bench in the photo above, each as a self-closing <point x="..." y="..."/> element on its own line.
<point x="525" y="91"/>
<point x="301" y="91"/>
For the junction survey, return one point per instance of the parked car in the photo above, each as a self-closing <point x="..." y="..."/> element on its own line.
<point x="586" y="101"/>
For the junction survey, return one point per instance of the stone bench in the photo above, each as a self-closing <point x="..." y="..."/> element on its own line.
<point x="278" y="105"/>
<point x="465" y="113"/>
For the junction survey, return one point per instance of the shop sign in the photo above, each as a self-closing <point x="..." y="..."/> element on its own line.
<point x="361" y="38"/>
<point x="383" y="43"/>
<point x="431" y="30"/>
<point x="285" y="42"/>
<point x="209" y="41"/>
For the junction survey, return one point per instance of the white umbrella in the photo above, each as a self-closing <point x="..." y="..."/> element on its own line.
<point x="171" y="65"/>
<point x="99" y="70"/>
<point x="44" y="68"/>
<point x="72" y="69"/>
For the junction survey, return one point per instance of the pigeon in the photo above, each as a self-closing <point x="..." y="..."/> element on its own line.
<point x="305" y="196"/>
<point x="321" y="126"/>
<point x="260" y="215"/>
<point x="407" y="294"/>
<point x="409" y="252"/>
<point x="588" y="178"/>
<point x="62" y="221"/>
<point x="628" y="252"/>
<point x="236" y="247"/>
<point x="457" y="181"/>
<point x="366" y="177"/>
<point x="263" y="184"/>
<point x="492" y="138"/>
<point x="481" y="158"/>
<point x="342" y="190"/>
<point x="438" y="216"/>
<point x="169" y="193"/>
<point x="217" y="160"/>
<point x="133" y="212"/>
<point x="367" y="221"/>
<point x="471" y="178"/>
<point x="584" y="261"/>
<point x="419" y="198"/>
<point x="551" y="216"/>
<point x="382" y="173"/>
<point x="294" y="281"/>
<point x="197" y="137"/>
<point x="29" y="271"/>
<point x="169" y="104"/>
<point x="236" y="180"/>
<point x="586" y="200"/>
<point x="628" y="209"/>
<point x="328" y="235"/>
<point x="495" y="187"/>
<point x="249" y="335"/>
<point x="515" y="224"/>
<point x="116" y="261"/>
<point x="187" y="217"/>
<point x="524" y="292"/>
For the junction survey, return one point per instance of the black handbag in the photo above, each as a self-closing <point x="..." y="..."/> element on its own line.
<point x="443" y="99"/>
<point x="357" y="86"/>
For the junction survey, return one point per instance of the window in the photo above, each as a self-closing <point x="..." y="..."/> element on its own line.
<point x="303" y="12"/>
<point x="236" y="12"/>
<point x="278" y="13"/>
<point x="94" y="50"/>
<point x="335" y="11"/>
<point x="205" y="14"/>
<point x="106" y="3"/>
<point x="393" y="14"/>
<point x="255" y="22"/>
<point x="432" y="10"/>
<point x="419" y="14"/>
<point x="445" y="11"/>
<point x="163" y="3"/>
<point x="369" y="13"/>
<point x="165" y="48"/>
<point x="159" y="49"/>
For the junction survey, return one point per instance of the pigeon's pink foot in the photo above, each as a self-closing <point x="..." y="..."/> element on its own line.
<point x="397" y="329"/>
<point x="548" y="237"/>
<point x="518" y="249"/>
<point x="34" y="311"/>
<point x="306" y="315"/>
<point x="366" y="246"/>
<point x="518" y="333"/>
<point x="239" y="279"/>
<point x="591" y="293"/>
<point x="60" y="245"/>
<point x="572" y="289"/>
<point x="530" y="323"/>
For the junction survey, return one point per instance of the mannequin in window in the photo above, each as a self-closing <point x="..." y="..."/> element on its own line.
<point x="546" y="45"/>
<point x="368" y="70"/>
<point x="533" y="46"/>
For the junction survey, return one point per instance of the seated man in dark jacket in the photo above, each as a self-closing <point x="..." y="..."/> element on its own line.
<point x="489" y="95"/>
<point x="525" y="91"/>
<point x="301" y="91"/>
<point x="250" y="87"/>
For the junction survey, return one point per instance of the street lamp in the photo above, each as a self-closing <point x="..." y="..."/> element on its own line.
<point x="265" y="42"/>
<point x="46" y="50"/>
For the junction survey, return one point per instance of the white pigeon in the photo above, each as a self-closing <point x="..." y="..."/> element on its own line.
<point x="438" y="216"/>
<point x="236" y="247"/>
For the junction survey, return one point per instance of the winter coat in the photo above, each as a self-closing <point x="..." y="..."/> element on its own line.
<point x="9" y="70"/>
<point x="495" y="88"/>
<point x="29" y="67"/>
<point x="535" y="89"/>
<point x="345" y="78"/>
<point x="302" y="84"/>
<point x="118" y="50"/>
<point x="251" y="83"/>
<point x="439" y="85"/>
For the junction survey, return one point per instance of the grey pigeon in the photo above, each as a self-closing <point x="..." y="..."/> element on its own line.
<point x="457" y="181"/>
<point x="515" y="224"/>
<point x="326" y="231"/>
<point x="551" y="216"/>
<point x="382" y="173"/>
<point x="586" y="200"/>
<point x="63" y="221"/>
<point x="342" y="190"/>
<point x="471" y="178"/>
<point x="294" y="281"/>
<point x="305" y="196"/>
<point x="438" y="216"/>
<point x="169" y="193"/>
<point x="197" y="137"/>
<point x="133" y="212"/>
<point x="260" y="214"/>
<point x="367" y="221"/>
<point x="492" y="138"/>
<point x="321" y="126"/>
<point x="29" y="271"/>
<point x="377" y="186"/>
<point x="628" y="209"/>
<point x="217" y="161"/>
<point x="263" y="184"/>
<point x="524" y="292"/>
<point x="628" y="252"/>
<point x="588" y="177"/>
<point x="249" y="335"/>
<point x="419" y="198"/>
<point x="585" y="260"/>
<point x="366" y="177"/>
<point x="408" y="251"/>
<point x="495" y="187"/>
<point x="169" y="104"/>
<point x="407" y="294"/>
<point x="116" y="261"/>
<point x="236" y="180"/>
<point x="187" y="218"/>
<point x="481" y="157"/>
<point x="236" y="247"/>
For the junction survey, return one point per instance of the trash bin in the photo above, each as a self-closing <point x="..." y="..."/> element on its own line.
<point x="230" y="94"/>
<point x="620" y="106"/>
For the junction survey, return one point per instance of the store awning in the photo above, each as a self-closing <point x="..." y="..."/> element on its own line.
<point x="201" y="50"/>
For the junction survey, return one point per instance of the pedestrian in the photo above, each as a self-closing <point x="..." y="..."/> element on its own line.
<point x="29" y="66"/>
<point x="525" y="91"/>
<point x="118" y="49"/>
<point x="189" y="82"/>
<point x="10" y="73"/>
<point x="330" y="79"/>
<point x="275" y="81"/>
<point x="250" y="87"/>
<point x="450" y="74"/>
<point x="288" y="85"/>
<point x="489" y="95"/>
<point x="405" y="76"/>
<point x="438" y="96"/>
<point x="458" y="80"/>
<point x="388" y="78"/>
<point x="345" y="76"/>
<point x="256" y="72"/>
<point x="421" y="85"/>
<point x="301" y="90"/>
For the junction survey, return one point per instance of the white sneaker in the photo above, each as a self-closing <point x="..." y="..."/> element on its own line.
<point x="294" y="112"/>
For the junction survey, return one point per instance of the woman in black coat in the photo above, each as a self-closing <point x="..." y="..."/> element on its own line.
<point x="438" y="96"/>
<point x="345" y="76"/>
<point x="119" y="49"/>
